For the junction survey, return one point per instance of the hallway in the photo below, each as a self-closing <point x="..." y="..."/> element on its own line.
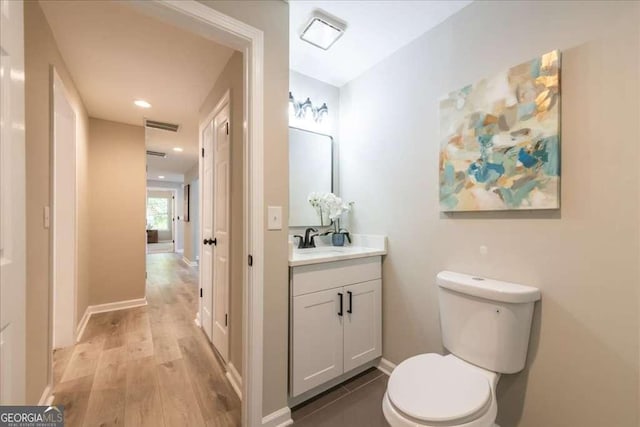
<point x="148" y="365"/>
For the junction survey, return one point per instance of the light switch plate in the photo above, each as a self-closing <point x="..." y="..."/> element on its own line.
<point x="274" y="214"/>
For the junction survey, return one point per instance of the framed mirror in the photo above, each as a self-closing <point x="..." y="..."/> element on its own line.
<point x="310" y="170"/>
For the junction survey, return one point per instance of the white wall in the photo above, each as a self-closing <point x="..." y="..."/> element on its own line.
<point x="583" y="361"/>
<point x="179" y="245"/>
<point x="303" y="86"/>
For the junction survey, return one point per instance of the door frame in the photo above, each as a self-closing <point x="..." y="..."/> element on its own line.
<point x="224" y="101"/>
<point x="56" y="80"/>
<point x="217" y="26"/>
<point x="174" y="225"/>
<point x="13" y="264"/>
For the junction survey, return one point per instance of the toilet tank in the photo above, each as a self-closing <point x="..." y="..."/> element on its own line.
<point x="486" y="322"/>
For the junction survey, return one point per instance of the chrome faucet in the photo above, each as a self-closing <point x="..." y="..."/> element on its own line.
<point x="308" y="240"/>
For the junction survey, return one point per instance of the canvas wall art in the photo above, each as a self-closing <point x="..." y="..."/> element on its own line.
<point x="500" y="140"/>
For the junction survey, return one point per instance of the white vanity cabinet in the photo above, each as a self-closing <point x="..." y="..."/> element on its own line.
<point x="335" y="320"/>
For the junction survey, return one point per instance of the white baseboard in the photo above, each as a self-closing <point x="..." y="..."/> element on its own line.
<point x="197" y="320"/>
<point x="279" y="418"/>
<point x="189" y="263"/>
<point x="118" y="305"/>
<point x="235" y="379"/>
<point x="47" y="398"/>
<point x="385" y="366"/>
<point x="82" y="324"/>
<point x="179" y="251"/>
<point x="103" y="308"/>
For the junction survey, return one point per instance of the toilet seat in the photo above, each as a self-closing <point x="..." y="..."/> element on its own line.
<point x="434" y="389"/>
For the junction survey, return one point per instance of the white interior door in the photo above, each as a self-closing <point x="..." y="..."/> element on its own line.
<point x="12" y="205"/>
<point x="64" y="217"/>
<point x="221" y="228"/>
<point x="206" y="257"/>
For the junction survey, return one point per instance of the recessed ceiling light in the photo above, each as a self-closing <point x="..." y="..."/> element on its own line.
<point x="142" y="103"/>
<point x="178" y="149"/>
<point x="323" y="30"/>
<point x="161" y="176"/>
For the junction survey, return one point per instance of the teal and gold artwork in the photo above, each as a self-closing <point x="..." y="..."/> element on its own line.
<point x="500" y="140"/>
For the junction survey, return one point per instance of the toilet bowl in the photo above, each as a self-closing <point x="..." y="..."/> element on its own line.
<point x="430" y="390"/>
<point x="485" y="325"/>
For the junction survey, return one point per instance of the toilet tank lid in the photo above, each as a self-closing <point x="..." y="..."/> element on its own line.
<point x="490" y="289"/>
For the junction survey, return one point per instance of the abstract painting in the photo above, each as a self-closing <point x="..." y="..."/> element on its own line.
<point x="500" y="140"/>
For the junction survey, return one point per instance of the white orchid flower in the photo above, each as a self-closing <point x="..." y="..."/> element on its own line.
<point x="329" y="204"/>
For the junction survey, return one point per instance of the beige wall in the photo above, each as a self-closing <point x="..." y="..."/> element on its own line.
<point x="190" y="228"/>
<point x="272" y="17"/>
<point x="117" y="262"/>
<point x="583" y="361"/>
<point x="231" y="79"/>
<point x="41" y="53"/>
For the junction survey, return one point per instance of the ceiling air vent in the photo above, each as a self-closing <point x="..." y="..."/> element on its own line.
<point x="161" y="125"/>
<point x="156" y="153"/>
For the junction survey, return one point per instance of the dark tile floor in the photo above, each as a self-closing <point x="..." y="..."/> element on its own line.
<point x="358" y="402"/>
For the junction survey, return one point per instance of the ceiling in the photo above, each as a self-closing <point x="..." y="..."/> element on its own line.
<point x="375" y="29"/>
<point x="117" y="55"/>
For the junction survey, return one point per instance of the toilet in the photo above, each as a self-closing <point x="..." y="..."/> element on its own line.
<point x="485" y="326"/>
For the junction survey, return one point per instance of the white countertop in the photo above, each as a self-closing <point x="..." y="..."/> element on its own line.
<point x="363" y="246"/>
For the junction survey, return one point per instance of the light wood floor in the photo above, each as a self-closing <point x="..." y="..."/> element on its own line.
<point x="147" y="366"/>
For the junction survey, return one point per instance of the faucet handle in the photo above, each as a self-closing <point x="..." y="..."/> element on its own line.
<point x="301" y="242"/>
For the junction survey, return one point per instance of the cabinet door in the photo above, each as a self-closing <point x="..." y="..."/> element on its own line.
<point x="317" y="339"/>
<point x="362" y="323"/>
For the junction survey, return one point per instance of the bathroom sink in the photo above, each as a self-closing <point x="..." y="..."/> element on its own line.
<point x="323" y="250"/>
<point x="373" y="246"/>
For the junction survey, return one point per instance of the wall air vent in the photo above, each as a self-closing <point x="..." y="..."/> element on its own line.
<point x="156" y="153"/>
<point x="153" y="124"/>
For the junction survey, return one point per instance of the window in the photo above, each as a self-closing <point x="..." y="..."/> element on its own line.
<point x="158" y="213"/>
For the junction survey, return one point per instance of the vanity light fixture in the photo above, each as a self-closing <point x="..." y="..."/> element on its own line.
<point x="161" y="176"/>
<point x="178" y="149"/>
<point x="321" y="113"/>
<point x="323" y="30"/>
<point x="293" y="106"/>
<point x="305" y="110"/>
